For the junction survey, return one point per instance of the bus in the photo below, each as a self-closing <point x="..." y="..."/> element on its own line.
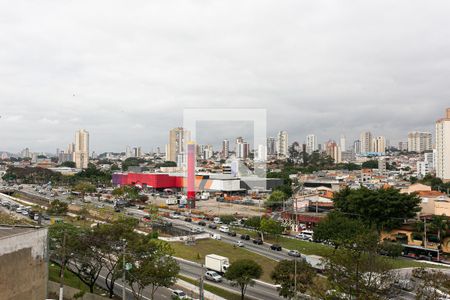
<point x="419" y="252"/>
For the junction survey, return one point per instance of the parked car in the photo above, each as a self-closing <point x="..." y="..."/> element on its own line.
<point x="245" y="237"/>
<point x="213" y="276"/>
<point x="188" y="219"/>
<point x="212" y="226"/>
<point x="202" y="223"/>
<point x="231" y="233"/>
<point x="294" y="253"/>
<point x="258" y="241"/>
<point x="275" y="247"/>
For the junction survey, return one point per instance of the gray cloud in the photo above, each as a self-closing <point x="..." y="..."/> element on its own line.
<point x="125" y="70"/>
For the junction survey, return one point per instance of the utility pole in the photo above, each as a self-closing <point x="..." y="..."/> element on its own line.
<point x="425" y="231"/>
<point x="295" y="278"/>
<point x="123" y="271"/>
<point x="201" y="290"/>
<point x="63" y="267"/>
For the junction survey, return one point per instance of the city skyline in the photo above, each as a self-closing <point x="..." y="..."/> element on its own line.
<point x="124" y="81"/>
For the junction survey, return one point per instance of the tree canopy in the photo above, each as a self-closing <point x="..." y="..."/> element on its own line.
<point x="242" y="272"/>
<point x="382" y="208"/>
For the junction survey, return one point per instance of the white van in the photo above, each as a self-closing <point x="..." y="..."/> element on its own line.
<point x="306" y="235"/>
<point x="224" y="229"/>
<point x="216" y="236"/>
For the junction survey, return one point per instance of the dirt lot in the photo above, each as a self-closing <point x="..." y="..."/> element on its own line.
<point x="211" y="206"/>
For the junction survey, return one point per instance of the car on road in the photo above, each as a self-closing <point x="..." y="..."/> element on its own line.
<point x="201" y="223"/>
<point x="212" y="226"/>
<point x="179" y="294"/>
<point x="275" y="247"/>
<point x="217" y="220"/>
<point x="187" y="219"/>
<point x="216" y="236"/>
<point x="258" y="241"/>
<point x="245" y="237"/>
<point x="239" y="244"/>
<point x="294" y="253"/>
<point x="224" y="229"/>
<point x="213" y="276"/>
<point x="231" y="233"/>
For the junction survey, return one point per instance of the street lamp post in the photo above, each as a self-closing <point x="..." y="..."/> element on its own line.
<point x="124" y="270"/>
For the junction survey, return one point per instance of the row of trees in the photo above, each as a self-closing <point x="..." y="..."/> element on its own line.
<point x="90" y="251"/>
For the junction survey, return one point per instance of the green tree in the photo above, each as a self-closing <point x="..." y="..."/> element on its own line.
<point x="440" y="225"/>
<point x="285" y="275"/>
<point x="271" y="226"/>
<point x="227" y="219"/>
<point x="370" y="164"/>
<point x="57" y="208"/>
<point x="276" y="200"/>
<point x="68" y="164"/>
<point x="338" y="229"/>
<point x="88" y="257"/>
<point x="253" y="222"/>
<point x="242" y="273"/>
<point x="391" y="249"/>
<point x="114" y="235"/>
<point x="63" y="241"/>
<point x="84" y="187"/>
<point x="359" y="272"/>
<point x="382" y="208"/>
<point x="152" y="265"/>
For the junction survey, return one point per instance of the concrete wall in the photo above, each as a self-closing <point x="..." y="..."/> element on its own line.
<point x="69" y="292"/>
<point x="23" y="266"/>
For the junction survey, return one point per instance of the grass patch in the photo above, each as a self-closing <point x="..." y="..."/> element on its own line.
<point x="70" y="279"/>
<point x="213" y="289"/>
<point x="198" y="251"/>
<point x="311" y="248"/>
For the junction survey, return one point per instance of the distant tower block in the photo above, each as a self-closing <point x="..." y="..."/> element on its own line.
<point x="191" y="174"/>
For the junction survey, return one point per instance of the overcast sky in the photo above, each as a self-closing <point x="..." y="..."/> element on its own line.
<point x="124" y="70"/>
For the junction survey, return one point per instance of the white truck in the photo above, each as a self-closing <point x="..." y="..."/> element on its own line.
<point x="217" y="263"/>
<point x="171" y="201"/>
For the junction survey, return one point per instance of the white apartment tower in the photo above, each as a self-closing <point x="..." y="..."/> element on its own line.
<point x="419" y="141"/>
<point x="443" y="147"/>
<point x="311" y="143"/>
<point x="379" y="144"/>
<point x="175" y="150"/>
<point x="282" y="144"/>
<point x="342" y="143"/>
<point x="225" y="149"/>
<point x="366" y="142"/>
<point x="81" y="151"/>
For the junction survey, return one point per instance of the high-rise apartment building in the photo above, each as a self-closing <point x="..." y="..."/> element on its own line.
<point x="81" y="151"/>
<point x="282" y="144"/>
<point x="366" y="142"/>
<point x="357" y="147"/>
<point x="271" y="146"/>
<point x="419" y="141"/>
<point x="225" y="149"/>
<point x="442" y="162"/>
<point x="379" y="145"/>
<point x="333" y="150"/>
<point x="242" y="148"/>
<point x="311" y="143"/>
<point x="175" y="149"/>
<point x="342" y="143"/>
